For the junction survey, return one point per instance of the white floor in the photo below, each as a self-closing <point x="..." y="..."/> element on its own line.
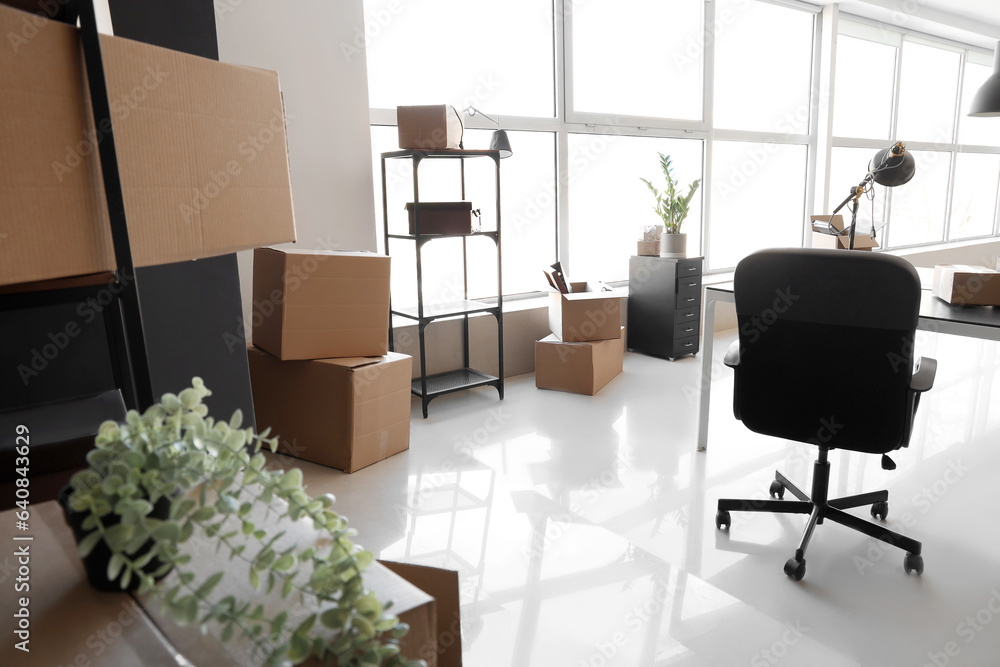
<point x="583" y="527"/>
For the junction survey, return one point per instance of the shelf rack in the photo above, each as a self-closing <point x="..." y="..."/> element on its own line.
<point x="428" y="387"/>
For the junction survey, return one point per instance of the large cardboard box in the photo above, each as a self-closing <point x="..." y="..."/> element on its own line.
<point x="586" y="313"/>
<point x="315" y="304"/>
<point x="429" y="127"/>
<point x="579" y="368"/>
<point x="201" y="151"/>
<point x="820" y="240"/>
<point x="967" y="285"/>
<point x="343" y="413"/>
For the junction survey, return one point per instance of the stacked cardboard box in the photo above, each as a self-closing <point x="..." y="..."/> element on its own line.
<point x="586" y="347"/>
<point x="322" y="376"/>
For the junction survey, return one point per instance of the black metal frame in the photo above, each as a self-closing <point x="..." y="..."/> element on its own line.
<point x="123" y="317"/>
<point x="430" y="387"/>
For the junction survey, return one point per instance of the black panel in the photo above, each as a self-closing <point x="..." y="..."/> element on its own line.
<point x="181" y="25"/>
<point x="192" y="315"/>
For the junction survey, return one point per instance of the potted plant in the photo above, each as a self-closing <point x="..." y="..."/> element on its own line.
<point x="672" y="207"/>
<point x="209" y="479"/>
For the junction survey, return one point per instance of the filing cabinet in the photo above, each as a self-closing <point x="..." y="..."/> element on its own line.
<point x="664" y="305"/>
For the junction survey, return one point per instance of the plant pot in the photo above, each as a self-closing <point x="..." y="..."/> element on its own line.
<point x="673" y="245"/>
<point x="96" y="562"/>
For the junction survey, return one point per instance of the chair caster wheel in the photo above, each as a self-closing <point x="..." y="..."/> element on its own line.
<point x="777" y="490"/>
<point x="880" y="510"/>
<point x="723" y="519"/>
<point x="913" y="563"/>
<point x="796" y="569"/>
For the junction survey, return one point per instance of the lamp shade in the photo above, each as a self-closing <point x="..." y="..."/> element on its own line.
<point x="986" y="101"/>
<point x="501" y="143"/>
<point x="898" y="169"/>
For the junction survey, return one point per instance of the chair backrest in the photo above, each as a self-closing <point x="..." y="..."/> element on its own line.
<point x="826" y="346"/>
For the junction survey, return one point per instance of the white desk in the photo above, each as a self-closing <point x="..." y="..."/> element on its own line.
<point x="935" y="315"/>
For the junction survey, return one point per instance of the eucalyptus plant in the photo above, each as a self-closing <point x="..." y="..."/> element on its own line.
<point x="214" y="477"/>
<point x="671" y="206"/>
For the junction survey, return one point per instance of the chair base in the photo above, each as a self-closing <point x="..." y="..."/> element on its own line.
<point x="819" y="509"/>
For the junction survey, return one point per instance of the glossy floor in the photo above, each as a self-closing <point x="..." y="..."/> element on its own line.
<point x="583" y="527"/>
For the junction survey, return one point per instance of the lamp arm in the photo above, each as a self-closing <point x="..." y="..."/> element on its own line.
<point x="472" y="111"/>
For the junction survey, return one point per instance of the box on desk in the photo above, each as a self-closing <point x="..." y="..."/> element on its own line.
<point x="838" y="242"/>
<point x="429" y="126"/>
<point x="967" y="285"/>
<point x="579" y="368"/>
<point x="588" y="312"/>
<point x="316" y="304"/>
<point x="344" y="413"/>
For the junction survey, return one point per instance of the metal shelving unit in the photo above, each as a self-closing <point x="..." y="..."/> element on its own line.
<point x="428" y="387"/>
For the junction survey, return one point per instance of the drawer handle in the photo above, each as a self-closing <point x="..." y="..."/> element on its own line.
<point x="689" y="330"/>
<point x="689" y="315"/>
<point x="690" y="298"/>
<point x="692" y="284"/>
<point x="689" y="345"/>
<point x="692" y="268"/>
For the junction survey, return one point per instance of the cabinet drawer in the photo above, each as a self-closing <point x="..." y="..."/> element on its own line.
<point x="692" y="314"/>
<point x="688" y="284"/>
<point x="685" y="346"/>
<point x="688" y="267"/>
<point x="688" y="299"/>
<point x="686" y="329"/>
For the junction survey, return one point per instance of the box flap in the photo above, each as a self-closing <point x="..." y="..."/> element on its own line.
<point x="442" y="585"/>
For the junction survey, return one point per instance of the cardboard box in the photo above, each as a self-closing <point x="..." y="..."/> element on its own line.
<point x="820" y="240"/>
<point x="442" y="585"/>
<point x="429" y="127"/>
<point x="316" y="304"/>
<point x="441" y="217"/>
<point x="343" y="413"/>
<point x="586" y="313"/>
<point x="579" y="368"/>
<point x="967" y="285"/>
<point x="201" y="151"/>
<point x="647" y="248"/>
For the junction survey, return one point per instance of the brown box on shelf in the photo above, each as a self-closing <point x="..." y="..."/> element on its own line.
<point x="429" y="126"/>
<point x="967" y="285"/>
<point x="344" y="413"/>
<point x="315" y="304"/>
<point x="579" y="368"/>
<point x="587" y="313"/>
<point x="647" y="248"/>
<point x="441" y="217"/>
<point x="820" y="240"/>
<point x="201" y="151"/>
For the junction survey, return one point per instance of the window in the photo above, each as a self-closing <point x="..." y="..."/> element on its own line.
<point x="928" y="93"/>
<point x="865" y="78"/>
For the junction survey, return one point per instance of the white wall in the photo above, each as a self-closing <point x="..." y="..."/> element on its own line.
<point x="326" y="105"/>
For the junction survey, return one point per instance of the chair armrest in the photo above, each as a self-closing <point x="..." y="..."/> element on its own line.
<point x="923" y="374"/>
<point x="732" y="358"/>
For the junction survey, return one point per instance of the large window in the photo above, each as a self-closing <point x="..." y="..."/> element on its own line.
<point x="591" y="91"/>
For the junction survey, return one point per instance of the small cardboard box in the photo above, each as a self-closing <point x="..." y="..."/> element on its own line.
<point x="316" y="304"/>
<point x="441" y="217"/>
<point x="967" y="285"/>
<point x="588" y="312"/>
<point x="647" y="248"/>
<point x="429" y="127"/>
<point x="343" y="413"/>
<point x="820" y="240"/>
<point x="201" y="151"/>
<point x="579" y="368"/>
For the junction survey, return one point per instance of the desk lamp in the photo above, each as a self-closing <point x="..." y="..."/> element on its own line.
<point x="890" y="167"/>
<point x="499" y="142"/>
<point x="987" y="99"/>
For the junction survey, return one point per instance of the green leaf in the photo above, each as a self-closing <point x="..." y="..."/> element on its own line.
<point x="290" y="480"/>
<point x="209" y="585"/>
<point x="287" y="587"/>
<point x="285" y="563"/>
<point x="203" y="514"/>
<point x="278" y="623"/>
<point x="334" y="619"/>
<point x="88" y="543"/>
<point x="168" y="531"/>
<point x="300" y="649"/>
<point x="227" y="632"/>
<point x="255" y="578"/>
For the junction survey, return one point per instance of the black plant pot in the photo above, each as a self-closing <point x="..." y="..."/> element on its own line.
<point x="96" y="562"/>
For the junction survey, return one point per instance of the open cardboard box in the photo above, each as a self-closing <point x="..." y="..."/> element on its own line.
<point x="579" y="368"/>
<point x="344" y="413"/>
<point x="201" y="151"/>
<point x="588" y="312"/>
<point x="967" y="285"/>
<point x="316" y="304"/>
<point x="820" y="240"/>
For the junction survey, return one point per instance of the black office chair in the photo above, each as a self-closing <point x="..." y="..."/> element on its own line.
<point x="825" y="356"/>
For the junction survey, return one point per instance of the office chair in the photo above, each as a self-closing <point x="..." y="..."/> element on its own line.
<point x="825" y="356"/>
